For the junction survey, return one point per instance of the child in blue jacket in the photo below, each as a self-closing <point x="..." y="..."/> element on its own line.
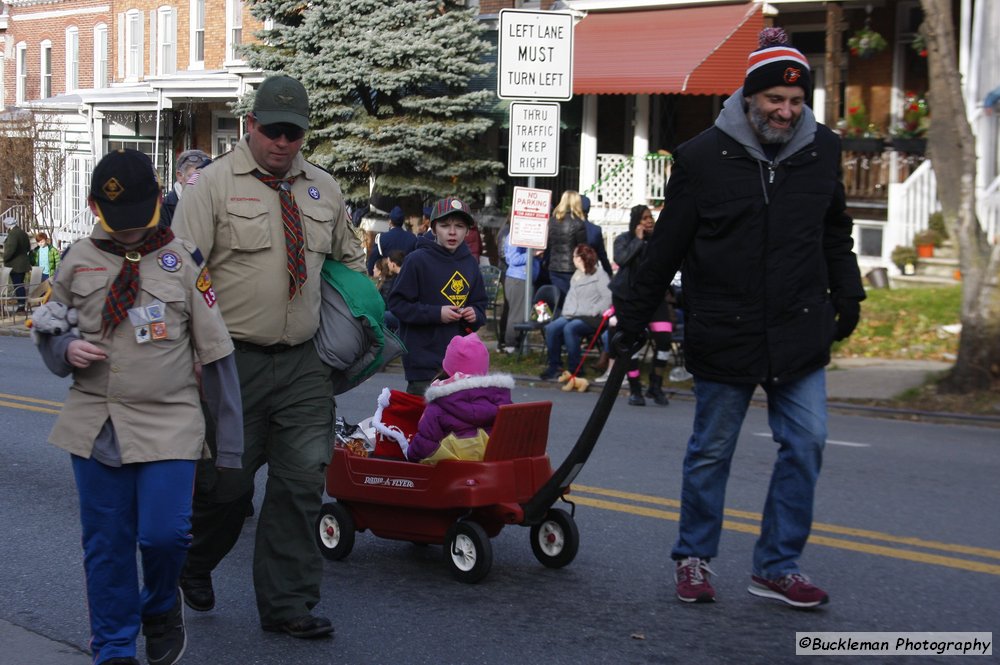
<point x="438" y="294"/>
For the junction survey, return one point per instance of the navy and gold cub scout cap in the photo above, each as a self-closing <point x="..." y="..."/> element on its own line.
<point x="452" y="206"/>
<point x="125" y="191"/>
<point x="281" y="99"/>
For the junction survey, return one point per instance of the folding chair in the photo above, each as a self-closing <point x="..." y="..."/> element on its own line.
<point x="549" y="293"/>
<point x="491" y="281"/>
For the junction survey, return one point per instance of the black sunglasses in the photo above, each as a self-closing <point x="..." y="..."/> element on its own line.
<point x="273" y="131"/>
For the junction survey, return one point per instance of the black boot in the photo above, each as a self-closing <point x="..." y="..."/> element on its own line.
<point x="635" y="397"/>
<point x="656" y="390"/>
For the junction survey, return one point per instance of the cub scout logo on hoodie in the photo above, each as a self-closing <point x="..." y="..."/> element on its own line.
<point x="456" y="290"/>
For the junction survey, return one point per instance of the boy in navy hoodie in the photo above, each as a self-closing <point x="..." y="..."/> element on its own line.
<point x="438" y="294"/>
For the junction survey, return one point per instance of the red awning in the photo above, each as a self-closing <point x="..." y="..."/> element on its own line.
<point x="690" y="50"/>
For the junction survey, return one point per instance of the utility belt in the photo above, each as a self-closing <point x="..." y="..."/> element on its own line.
<point x="270" y="349"/>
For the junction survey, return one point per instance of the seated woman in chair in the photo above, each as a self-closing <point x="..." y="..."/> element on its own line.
<point x="588" y="297"/>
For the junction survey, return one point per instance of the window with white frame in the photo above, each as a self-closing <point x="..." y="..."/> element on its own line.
<point x="21" y="65"/>
<point x="234" y="29"/>
<point x="166" y="40"/>
<point x="78" y="185"/>
<point x="197" y="34"/>
<point x="225" y="132"/>
<point x="45" y="70"/>
<point x="100" y="55"/>
<point x="133" y="44"/>
<point x="58" y="200"/>
<point x="72" y="58"/>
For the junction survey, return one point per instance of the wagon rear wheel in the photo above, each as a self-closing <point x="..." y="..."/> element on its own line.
<point x="468" y="552"/>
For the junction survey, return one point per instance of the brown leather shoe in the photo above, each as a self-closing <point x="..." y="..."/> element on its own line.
<point x="306" y="626"/>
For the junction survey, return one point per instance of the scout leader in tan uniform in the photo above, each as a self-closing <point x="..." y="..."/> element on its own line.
<point x="266" y="220"/>
<point x="144" y="304"/>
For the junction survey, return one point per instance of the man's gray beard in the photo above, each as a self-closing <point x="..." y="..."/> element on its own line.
<point x="765" y="132"/>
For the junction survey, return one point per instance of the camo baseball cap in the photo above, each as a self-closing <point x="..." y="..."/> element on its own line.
<point x="452" y="206"/>
<point x="281" y="99"/>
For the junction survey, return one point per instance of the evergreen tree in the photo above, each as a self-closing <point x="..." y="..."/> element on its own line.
<point x="388" y="87"/>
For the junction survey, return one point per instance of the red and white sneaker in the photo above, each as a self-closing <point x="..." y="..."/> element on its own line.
<point x="794" y="589"/>
<point x="691" y="576"/>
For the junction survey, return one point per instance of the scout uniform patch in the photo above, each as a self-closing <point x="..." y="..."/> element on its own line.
<point x="149" y="322"/>
<point x="456" y="290"/>
<point x="204" y="286"/>
<point x="169" y="260"/>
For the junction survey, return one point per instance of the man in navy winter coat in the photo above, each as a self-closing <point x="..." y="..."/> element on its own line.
<point x="397" y="237"/>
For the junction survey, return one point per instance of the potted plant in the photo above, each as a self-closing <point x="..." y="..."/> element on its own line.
<point x="926" y="241"/>
<point x="935" y="221"/>
<point x="910" y="135"/>
<point x="905" y="258"/>
<point x="866" y="43"/>
<point x="860" y="135"/>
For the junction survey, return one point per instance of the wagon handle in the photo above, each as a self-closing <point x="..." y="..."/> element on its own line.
<point x="538" y="505"/>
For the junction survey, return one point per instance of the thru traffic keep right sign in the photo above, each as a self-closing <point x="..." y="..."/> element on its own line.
<point x="534" y="139"/>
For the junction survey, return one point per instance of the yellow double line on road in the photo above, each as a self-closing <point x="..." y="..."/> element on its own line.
<point x="646" y="505"/>
<point x="28" y="403"/>
<point x="579" y="496"/>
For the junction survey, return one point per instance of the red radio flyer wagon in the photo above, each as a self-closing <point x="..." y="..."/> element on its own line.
<point x="462" y="504"/>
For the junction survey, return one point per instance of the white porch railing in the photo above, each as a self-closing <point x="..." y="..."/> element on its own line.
<point x="988" y="210"/>
<point x="912" y="201"/>
<point x="21" y="214"/>
<point x="910" y="204"/>
<point x="615" y="180"/>
<point x="78" y="227"/>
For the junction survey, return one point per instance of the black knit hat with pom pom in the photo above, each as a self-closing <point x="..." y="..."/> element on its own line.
<point x="775" y="63"/>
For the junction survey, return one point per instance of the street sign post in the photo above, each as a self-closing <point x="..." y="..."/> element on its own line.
<point x="535" y="58"/>
<point x="534" y="139"/>
<point x="529" y="217"/>
<point x="529" y="227"/>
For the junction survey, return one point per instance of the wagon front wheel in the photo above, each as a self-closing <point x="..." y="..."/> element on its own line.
<point x="556" y="539"/>
<point x="468" y="552"/>
<point x="335" y="531"/>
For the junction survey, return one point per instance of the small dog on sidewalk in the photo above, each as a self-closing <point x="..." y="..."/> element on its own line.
<point x="576" y="383"/>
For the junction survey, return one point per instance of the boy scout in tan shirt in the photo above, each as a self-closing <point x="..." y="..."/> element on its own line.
<point x="266" y="220"/>
<point x="143" y="304"/>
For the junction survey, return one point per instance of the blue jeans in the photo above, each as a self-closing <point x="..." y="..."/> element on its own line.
<point x="568" y="332"/>
<point x="148" y="504"/>
<point x="797" y="417"/>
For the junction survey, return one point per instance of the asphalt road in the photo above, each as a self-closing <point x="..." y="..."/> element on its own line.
<point x="907" y="538"/>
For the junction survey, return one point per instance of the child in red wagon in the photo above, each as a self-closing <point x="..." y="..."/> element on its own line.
<point x="460" y="409"/>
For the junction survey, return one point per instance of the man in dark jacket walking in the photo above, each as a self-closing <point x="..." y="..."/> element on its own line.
<point x="15" y="256"/>
<point x="398" y="237"/>
<point x="755" y="216"/>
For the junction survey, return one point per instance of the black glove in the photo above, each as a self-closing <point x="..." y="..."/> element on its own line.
<point x="848" y="313"/>
<point x="625" y="343"/>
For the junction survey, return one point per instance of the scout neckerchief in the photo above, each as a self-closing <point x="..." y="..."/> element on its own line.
<point x="295" y="253"/>
<point x="124" y="290"/>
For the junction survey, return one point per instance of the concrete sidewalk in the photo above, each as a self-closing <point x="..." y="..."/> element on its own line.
<point x="877" y="378"/>
<point x="23" y="647"/>
<point x="847" y="378"/>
